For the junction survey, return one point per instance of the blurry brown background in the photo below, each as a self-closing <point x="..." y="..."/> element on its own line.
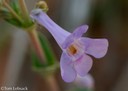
<point x="106" y="18"/>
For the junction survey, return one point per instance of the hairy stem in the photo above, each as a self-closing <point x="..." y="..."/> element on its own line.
<point x="36" y="43"/>
<point x="51" y="81"/>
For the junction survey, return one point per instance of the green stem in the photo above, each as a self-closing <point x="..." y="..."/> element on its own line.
<point x="12" y="11"/>
<point x="24" y="9"/>
<point x="36" y="43"/>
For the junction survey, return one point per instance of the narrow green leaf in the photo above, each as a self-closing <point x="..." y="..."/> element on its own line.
<point x="52" y="63"/>
<point x="50" y="57"/>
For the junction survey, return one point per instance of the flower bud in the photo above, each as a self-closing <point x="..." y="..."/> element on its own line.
<point x="42" y="5"/>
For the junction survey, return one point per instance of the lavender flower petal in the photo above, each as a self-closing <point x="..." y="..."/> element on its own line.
<point x="75" y="35"/>
<point x="67" y="42"/>
<point x="95" y="47"/>
<point x="79" y="31"/>
<point x="67" y="71"/>
<point x="83" y="65"/>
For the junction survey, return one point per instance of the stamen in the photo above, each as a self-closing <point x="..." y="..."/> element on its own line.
<point x="72" y="49"/>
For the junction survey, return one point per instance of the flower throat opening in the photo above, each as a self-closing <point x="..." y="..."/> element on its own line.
<point x="72" y="50"/>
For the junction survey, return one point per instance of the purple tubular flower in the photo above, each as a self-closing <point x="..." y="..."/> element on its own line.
<point x="74" y="59"/>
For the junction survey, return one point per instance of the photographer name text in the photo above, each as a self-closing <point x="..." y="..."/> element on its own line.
<point x="5" y="88"/>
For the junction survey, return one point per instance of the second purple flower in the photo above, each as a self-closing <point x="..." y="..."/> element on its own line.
<point x="74" y="59"/>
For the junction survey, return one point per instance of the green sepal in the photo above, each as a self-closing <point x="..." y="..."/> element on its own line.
<point x="4" y="13"/>
<point x="13" y="21"/>
<point x="7" y="16"/>
<point x="51" y="65"/>
<point x="14" y="4"/>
